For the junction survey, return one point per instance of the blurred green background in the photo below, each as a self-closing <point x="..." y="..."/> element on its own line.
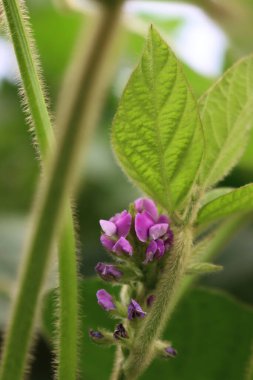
<point x="208" y="36"/>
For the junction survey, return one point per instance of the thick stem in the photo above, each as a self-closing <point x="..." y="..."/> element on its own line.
<point x="54" y="188"/>
<point x="153" y="325"/>
<point x="16" y="17"/>
<point x="117" y="371"/>
<point x="36" y="104"/>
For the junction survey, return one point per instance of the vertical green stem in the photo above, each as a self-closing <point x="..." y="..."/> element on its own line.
<point x="35" y="98"/>
<point x="153" y="325"/>
<point x="29" y="69"/>
<point x="56" y="184"/>
<point x="117" y="371"/>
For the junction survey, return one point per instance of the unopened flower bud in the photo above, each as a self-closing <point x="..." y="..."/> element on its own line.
<point x="135" y="310"/>
<point x="105" y="300"/>
<point x="108" y="272"/>
<point x="170" y="352"/>
<point x="120" y="332"/>
<point x="95" y="335"/>
<point x="150" y="300"/>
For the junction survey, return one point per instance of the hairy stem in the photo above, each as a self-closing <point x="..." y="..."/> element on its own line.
<point x="117" y="372"/>
<point x="153" y="325"/>
<point x="55" y="186"/>
<point x="29" y="69"/>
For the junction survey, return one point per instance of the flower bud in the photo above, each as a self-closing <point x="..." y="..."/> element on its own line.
<point x="135" y="311"/>
<point x="108" y="272"/>
<point x="105" y="300"/>
<point x="150" y="300"/>
<point x="170" y="352"/>
<point x="102" y="337"/>
<point x="120" y="332"/>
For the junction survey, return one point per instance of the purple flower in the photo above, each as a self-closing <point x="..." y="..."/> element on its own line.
<point x="108" y="272"/>
<point x="115" y="231"/>
<point x="150" y="300"/>
<point x="170" y="352"/>
<point x="156" y="248"/>
<point x="95" y="334"/>
<point x="153" y="228"/>
<point x="145" y="204"/>
<point x="120" y="332"/>
<point x="135" y="311"/>
<point x="105" y="300"/>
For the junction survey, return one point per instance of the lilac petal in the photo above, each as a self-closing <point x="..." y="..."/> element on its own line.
<point x="160" y="248"/>
<point x="105" y="300"/>
<point x="150" y="252"/>
<point x="108" y="227"/>
<point x="117" y="216"/>
<point x="123" y="246"/>
<point x="106" y="242"/>
<point x="135" y="311"/>
<point x="163" y="219"/>
<point x="143" y="222"/>
<point x="158" y="230"/>
<point x="123" y="224"/>
<point x="146" y="204"/>
<point x="108" y="272"/>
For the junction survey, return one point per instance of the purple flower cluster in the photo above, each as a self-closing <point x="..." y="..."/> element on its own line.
<point x="150" y="228"/>
<point x="135" y="238"/>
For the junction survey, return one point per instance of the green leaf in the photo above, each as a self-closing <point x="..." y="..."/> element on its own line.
<point x="215" y="193"/>
<point x="202" y="268"/>
<point x="236" y="201"/>
<point x="207" y="329"/>
<point x="157" y="134"/>
<point x="226" y="113"/>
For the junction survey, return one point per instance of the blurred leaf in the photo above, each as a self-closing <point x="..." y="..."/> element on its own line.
<point x="12" y="229"/>
<point x="236" y="201"/>
<point x="215" y="193"/>
<point x="207" y="328"/>
<point x="4" y="304"/>
<point x="156" y="130"/>
<point x="12" y="233"/>
<point x="226" y="113"/>
<point x="55" y="42"/>
<point x="202" y="268"/>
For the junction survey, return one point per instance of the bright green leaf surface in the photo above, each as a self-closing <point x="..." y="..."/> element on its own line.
<point x="226" y="113"/>
<point x="157" y="134"/>
<point x="208" y="329"/>
<point x="239" y="200"/>
<point x="215" y="193"/>
<point x="202" y="268"/>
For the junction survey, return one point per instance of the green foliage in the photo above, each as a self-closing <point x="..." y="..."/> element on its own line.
<point x="202" y="268"/>
<point x="214" y="193"/>
<point x="226" y="114"/>
<point x="157" y="134"/>
<point x="206" y="329"/>
<point x="236" y="201"/>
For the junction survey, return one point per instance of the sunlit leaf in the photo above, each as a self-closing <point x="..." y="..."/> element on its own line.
<point x="236" y="201"/>
<point x="226" y="113"/>
<point x="157" y="134"/>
